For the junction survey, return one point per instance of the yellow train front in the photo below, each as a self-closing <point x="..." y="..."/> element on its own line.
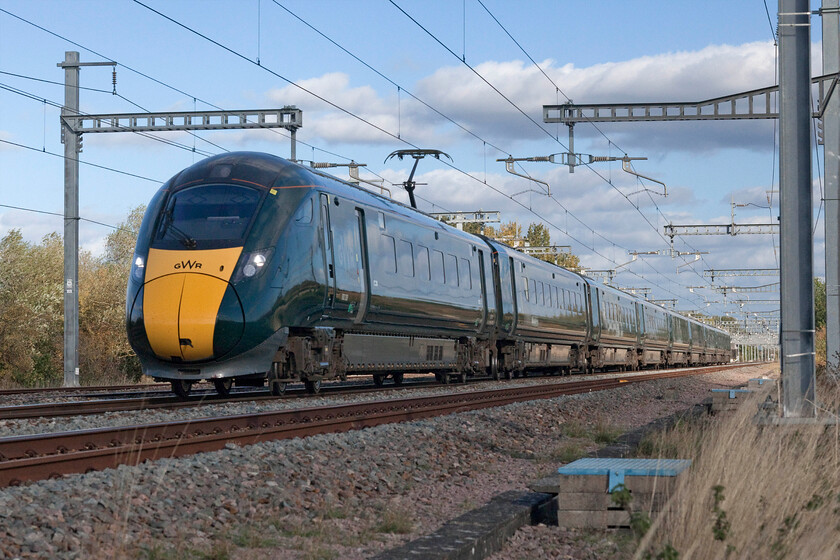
<point x="202" y="299"/>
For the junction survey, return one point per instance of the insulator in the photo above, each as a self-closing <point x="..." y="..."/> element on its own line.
<point x="594" y="159"/>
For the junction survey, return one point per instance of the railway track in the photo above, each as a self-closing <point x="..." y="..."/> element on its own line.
<point x="148" y="400"/>
<point x="30" y="458"/>
<point x="170" y="401"/>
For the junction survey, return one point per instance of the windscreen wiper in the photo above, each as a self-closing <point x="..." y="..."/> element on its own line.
<point x="184" y="238"/>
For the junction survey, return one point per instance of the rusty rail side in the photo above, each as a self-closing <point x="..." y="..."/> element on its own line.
<point x="29" y="458"/>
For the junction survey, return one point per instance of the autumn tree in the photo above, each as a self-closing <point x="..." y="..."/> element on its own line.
<point x="32" y="309"/>
<point x="104" y="352"/>
<point x="539" y="236"/>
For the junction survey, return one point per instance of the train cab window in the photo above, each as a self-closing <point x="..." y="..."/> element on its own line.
<point x="464" y="272"/>
<point x="303" y="215"/>
<point x="437" y="267"/>
<point x="218" y="214"/>
<point x="421" y="264"/>
<point x="405" y="258"/>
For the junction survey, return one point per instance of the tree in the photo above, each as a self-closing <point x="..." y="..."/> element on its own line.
<point x="819" y="303"/>
<point x="539" y="236"/>
<point x="103" y="347"/>
<point x="32" y="309"/>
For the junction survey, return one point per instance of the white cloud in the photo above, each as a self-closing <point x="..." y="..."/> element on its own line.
<point x="460" y="94"/>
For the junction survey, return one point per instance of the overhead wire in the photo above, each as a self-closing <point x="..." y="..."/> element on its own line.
<point x="149" y="77"/>
<point x="557" y="88"/>
<point x="58" y="105"/>
<point x="354" y="115"/>
<point x="520" y="110"/>
<point x="401" y="88"/>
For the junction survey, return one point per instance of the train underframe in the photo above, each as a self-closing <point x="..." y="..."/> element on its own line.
<point x="318" y="354"/>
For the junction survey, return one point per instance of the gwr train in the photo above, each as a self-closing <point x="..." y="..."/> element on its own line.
<point x="250" y="267"/>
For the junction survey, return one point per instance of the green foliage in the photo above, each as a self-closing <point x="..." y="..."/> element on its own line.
<point x="396" y="521"/>
<point x="639" y="521"/>
<point x="621" y="496"/>
<point x="721" y="527"/>
<point x="32" y="307"/>
<point x="819" y="303"/>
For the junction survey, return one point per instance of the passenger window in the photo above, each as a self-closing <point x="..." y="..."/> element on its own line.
<point x="534" y="291"/>
<point x="437" y="267"/>
<point x="405" y="259"/>
<point x="381" y="220"/>
<point x="422" y="264"/>
<point x="527" y="293"/>
<point x="464" y="271"/>
<point x="451" y="270"/>
<point x="389" y="254"/>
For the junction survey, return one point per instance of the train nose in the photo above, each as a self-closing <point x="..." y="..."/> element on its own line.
<point x="181" y="313"/>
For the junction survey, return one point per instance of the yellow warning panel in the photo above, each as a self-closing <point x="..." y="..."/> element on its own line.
<point x="161" y="301"/>
<point x="200" y="302"/>
<point x="212" y="262"/>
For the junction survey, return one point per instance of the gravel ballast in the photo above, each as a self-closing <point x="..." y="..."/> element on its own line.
<point x="345" y="496"/>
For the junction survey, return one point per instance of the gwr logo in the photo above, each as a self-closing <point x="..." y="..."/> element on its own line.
<point x="187" y="264"/>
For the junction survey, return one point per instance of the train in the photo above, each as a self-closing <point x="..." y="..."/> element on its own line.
<point x="252" y="269"/>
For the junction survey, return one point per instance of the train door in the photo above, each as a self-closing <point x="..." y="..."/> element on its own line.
<point x="364" y="269"/>
<point x="594" y="312"/>
<point x="329" y="259"/>
<point x="484" y="294"/>
<point x="514" y="295"/>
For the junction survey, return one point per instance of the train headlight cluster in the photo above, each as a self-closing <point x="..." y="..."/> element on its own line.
<point x="138" y="267"/>
<point x="252" y="264"/>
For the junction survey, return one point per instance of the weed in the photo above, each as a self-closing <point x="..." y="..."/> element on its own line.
<point x="250" y="537"/>
<point x="567" y="452"/>
<point x="721" y="527"/>
<point x="574" y="429"/>
<point x="605" y="433"/>
<point x="395" y="521"/>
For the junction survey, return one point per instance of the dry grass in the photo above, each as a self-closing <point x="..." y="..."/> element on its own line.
<point x="753" y="491"/>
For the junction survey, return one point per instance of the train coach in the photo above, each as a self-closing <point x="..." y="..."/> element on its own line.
<point x="250" y="268"/>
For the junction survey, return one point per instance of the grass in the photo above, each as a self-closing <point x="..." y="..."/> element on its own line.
<point x="753" y="491"/>
<point x="394" y="520"/>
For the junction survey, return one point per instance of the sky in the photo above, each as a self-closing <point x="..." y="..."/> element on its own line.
<point x="375" y="76"/>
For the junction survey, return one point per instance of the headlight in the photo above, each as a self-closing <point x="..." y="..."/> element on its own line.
<point x="251" y="265"/>
<point x="138" y="267"/>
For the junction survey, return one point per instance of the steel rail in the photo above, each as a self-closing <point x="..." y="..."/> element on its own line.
<point x="169" y="401"/>
<point x="81" y="389"/>
<point x="37" y="457"/>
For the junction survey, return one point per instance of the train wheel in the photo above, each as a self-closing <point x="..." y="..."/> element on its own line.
<point x="444" y="378"/>
<point x="223" y="386"/>
<point x="461" y="378"/>
<point x="398" y="379"/>
<point x="494" y="367"/>
<point x="313" y="387"/>
<point x="182" y="387"/>
<point x="278" y="388"/>
<point x="379" y="379"/>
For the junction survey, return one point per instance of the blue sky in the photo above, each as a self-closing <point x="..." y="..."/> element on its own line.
<point x="606" y="51"/>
